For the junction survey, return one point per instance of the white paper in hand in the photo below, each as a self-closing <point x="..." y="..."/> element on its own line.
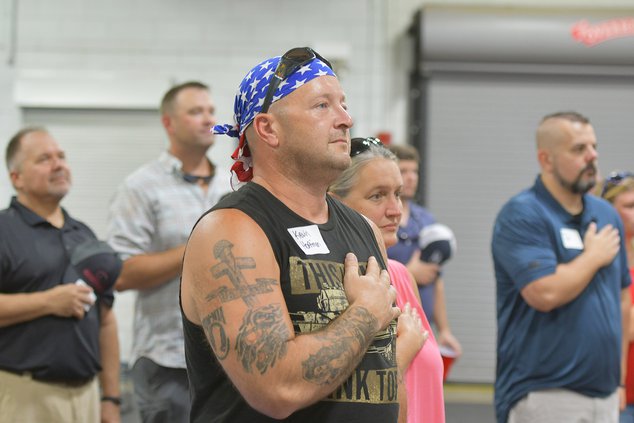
<point x="93" y="297"/>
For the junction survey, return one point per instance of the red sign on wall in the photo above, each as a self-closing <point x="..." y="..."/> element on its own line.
<point x="591" y="35"/>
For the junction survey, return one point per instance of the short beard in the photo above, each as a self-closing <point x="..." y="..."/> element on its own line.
<point x="578" y="186"/>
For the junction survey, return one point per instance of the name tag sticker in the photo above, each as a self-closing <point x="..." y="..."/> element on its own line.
<point x="309" y="239"/>
<point x="571" y="239"/>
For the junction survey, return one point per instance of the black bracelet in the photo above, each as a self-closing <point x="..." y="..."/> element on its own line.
<point x="114" y="400"/>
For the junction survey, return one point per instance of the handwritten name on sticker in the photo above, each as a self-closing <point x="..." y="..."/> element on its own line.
<point x="309" y="239"/>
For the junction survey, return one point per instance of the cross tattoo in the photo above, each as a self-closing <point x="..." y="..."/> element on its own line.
<point x="231" y="267"/>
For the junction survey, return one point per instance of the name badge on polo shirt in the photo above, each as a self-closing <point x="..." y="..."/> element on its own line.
<point x="309" y="239"/>
<point x="571" y="239"/>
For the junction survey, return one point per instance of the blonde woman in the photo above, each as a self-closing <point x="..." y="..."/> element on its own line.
<point x="372" y="186"/>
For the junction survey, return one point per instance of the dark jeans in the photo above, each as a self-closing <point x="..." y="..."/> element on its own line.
<point x="161" y="393"/>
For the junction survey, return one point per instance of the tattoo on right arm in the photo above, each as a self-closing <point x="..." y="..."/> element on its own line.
<point x="214" y="326"/>
<point x="345" y="339"/>
<point x="262" y="338"/>
<point x="231" y="267"/>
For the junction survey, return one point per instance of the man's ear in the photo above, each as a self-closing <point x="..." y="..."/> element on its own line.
<point x="545" y="159"/>
<point x="265" y="126"/>
<point x="166" y="121"/>
<point x="14" y="176"/>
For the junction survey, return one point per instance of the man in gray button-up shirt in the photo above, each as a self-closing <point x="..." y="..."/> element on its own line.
<point x="150" y="219"/>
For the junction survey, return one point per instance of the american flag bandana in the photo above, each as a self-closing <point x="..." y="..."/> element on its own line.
<point x="248" y="103"/>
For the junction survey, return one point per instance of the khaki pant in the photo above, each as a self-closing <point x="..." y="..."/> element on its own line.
<point x="563" y="405"/>
<point x="24" y="400"/>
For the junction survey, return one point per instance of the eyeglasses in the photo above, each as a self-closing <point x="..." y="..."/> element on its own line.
<point x="360" y="145"/>
<point x="289" y="63"/>
<point x="193" y="179"/>
<point x="614" y="179"/>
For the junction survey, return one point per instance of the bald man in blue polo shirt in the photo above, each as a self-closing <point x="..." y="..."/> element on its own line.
<point x="562" y="278"/>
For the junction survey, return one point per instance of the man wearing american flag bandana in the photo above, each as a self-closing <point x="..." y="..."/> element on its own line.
<point x="288" y="311"/>
<point x="249" y="101"/>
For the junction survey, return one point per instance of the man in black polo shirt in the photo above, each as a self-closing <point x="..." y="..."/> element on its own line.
<point x="56" y="337"/>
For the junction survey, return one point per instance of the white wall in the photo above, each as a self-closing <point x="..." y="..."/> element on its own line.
<point x="143" y="44"/>
<point x="9" y="113"/>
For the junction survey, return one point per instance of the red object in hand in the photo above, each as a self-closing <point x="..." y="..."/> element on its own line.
<point x="448" y="357"/>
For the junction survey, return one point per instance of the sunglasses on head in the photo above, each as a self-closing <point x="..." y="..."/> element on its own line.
<point x="615" y="179"/>
<point x="360" y="145"/>
<point x="289" y="63"/>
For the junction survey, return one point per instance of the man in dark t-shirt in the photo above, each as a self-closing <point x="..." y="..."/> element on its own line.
<point x="271" y="276"/>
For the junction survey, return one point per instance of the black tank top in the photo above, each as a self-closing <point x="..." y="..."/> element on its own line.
<point x="312" y="283"/>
